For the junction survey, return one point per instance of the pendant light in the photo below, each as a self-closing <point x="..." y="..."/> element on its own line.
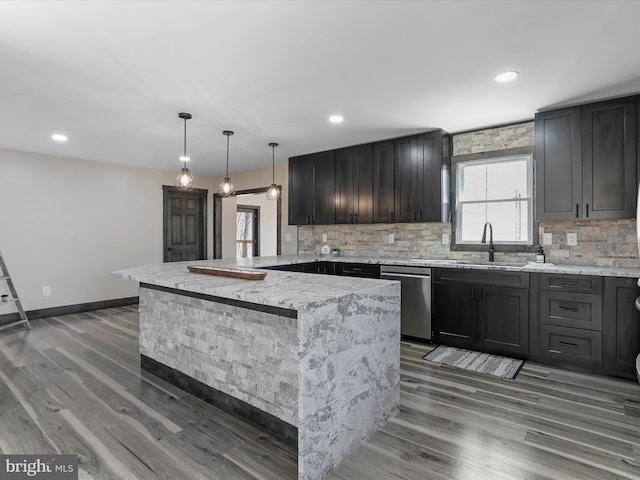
<point x="226" y="187"/>
<point x="184" y="181"/>
<point x="274" y="192"/>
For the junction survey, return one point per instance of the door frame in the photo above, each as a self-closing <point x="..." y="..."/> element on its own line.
<point x="166" y="217"/>
<point x="217" y="219"/>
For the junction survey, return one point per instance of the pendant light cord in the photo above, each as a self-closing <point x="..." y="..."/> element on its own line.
<point x="227" y="175"/>
<point x="185" y="143"/>
<point x="273" y="164"/>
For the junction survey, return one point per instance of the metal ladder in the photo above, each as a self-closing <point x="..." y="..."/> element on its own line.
<point x="12" y="298"/>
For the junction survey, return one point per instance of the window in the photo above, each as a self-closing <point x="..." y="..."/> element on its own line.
<point x="499" y="191"/>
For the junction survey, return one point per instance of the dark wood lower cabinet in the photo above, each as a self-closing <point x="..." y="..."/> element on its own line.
<point x="503" y="320"/>
<point x="479" y="310"/>
<point x="453" y="314"/>
<point x="621" y="327"/>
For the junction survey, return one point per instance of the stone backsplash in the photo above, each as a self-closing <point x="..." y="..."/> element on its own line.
<point x="600" y="242"/>
<point x="494" y="139"/>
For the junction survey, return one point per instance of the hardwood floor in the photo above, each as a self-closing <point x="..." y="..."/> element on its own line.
<point x="73" y="385"/>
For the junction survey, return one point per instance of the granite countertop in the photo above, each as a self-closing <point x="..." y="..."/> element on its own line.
<point x="446" y="263"/>
<point x="293" y="290"/>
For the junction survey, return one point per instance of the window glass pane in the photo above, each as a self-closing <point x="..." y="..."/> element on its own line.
<point x="493" y="181"/>
<point x="510" y="221"/>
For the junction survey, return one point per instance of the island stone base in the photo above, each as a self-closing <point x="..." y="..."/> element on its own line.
<point x="330" y="369"/>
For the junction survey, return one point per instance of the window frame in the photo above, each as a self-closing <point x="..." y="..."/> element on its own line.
<point x="497" y="156"/>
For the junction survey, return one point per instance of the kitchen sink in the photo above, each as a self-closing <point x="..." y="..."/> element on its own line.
<point x="470" y="263"/>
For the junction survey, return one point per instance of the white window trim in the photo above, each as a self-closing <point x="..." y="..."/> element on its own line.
<point x="528" y="157"/>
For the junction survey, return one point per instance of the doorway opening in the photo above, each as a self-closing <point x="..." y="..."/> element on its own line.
<point x="247" y="231"/>
<point x="225" y="223"/>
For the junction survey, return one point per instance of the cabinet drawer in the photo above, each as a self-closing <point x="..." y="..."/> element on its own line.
<point x="484" y="277"/>
<point x="575" y="310"/>
<point x="571" y="346"/>
<point x="367" y="270"/>
<point x="571" y="283"/>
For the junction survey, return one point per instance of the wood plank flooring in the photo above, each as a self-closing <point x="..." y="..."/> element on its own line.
<point x="73" y="385"/>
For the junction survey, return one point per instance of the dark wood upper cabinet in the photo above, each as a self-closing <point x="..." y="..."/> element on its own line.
<point x="312" y="189"/>
<point x="586" y="161"/>
<point x="421" y="177"/>
<point x="558" y="158"/>
<point x="406" y="178"/>
<point x="609" y="146"/>
<point x="383" y="182"/>
<point x="354" y="184"/>
<point x="401" y="180"/>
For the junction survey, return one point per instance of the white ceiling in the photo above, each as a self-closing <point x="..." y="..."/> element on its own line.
<point x="113" y="75"/>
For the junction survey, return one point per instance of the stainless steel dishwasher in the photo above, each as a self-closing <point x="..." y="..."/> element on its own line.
<point x="415" y="307"/>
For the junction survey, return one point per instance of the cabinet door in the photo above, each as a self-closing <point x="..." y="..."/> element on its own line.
<point x="453" y="314"/>
<point x="430" y="178"/>
<point x="407" y="174"/>
<point x="346" y="172"/>
<point x="324" y="188"/>
<point x="363" y="198"/>
<point x="609" y="158"/>
<point x="558" y="160"/>
<point x="383" y="182"/>
<point x="621" y="326"/>
<point x="503" y="320"/>
<point x="301" y="188"/>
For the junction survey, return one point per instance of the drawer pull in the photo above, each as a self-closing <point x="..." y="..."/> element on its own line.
<point x="357" y="269"/>
<point x="568" y="284"/>
<point x="567" y="344"/>
<point x="568" y="309"/>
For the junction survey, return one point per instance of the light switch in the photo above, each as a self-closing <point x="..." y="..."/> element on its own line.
<point x="392" y="238"/>
<point x="572" y="239"/>
<point x="324" y="238"/>
<point x="547" y="239"/>
<point x="445" y="239"/>
<point x="287" y="237"/>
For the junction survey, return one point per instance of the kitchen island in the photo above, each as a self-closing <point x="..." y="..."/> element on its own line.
<point x="315" y="359"/>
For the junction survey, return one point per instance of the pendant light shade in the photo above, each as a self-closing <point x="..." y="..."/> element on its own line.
<point x="184" y="181"/>
<point x="226" y="187"/>
<point x="274" y="192"/>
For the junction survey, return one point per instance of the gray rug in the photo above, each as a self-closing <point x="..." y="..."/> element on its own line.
<point x="495" y="365"/>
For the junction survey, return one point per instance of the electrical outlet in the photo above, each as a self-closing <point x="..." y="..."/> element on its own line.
<point x="392" y="238"/>
<point x="547" y="239"/>
<point x="46" y="291"/>
<point x="445" y="239"/>
<point x="572" y="239"/>
<point x="324" y="238"/>
<point x="287" y="237"/>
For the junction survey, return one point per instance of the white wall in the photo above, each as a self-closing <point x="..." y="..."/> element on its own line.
<point x="69" y="223"/>
<point x="257" y="178"/>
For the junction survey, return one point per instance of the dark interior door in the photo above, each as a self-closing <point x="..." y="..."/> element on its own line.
<point x="184" y="225"/>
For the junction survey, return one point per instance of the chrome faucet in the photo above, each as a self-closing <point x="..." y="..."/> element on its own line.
<point x="484" y="239"/>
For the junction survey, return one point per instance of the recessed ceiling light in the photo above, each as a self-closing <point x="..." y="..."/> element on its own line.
<point x="184" y="159"/>
<point x="506" y="76"/>
<point x="336" y="118"/>
<point x="58" y="137"/>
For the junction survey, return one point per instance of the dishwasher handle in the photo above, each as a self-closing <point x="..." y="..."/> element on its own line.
<point x="403" y="275"/>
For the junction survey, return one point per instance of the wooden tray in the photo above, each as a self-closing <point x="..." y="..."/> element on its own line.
<point x="228" y="272"/>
